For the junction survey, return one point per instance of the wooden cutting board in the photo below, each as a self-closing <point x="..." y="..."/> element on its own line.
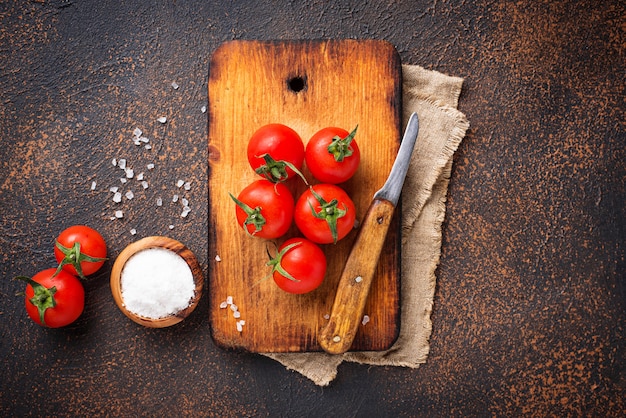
<point x="306" y="85"/>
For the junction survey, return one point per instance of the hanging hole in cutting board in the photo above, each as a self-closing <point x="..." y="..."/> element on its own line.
<point x="297" y="84"/>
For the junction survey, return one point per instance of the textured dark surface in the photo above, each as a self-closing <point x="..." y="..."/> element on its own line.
<point x="530" y="305"/>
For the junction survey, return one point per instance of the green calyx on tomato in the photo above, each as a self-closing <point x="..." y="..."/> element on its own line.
<point x="60" y="300"/>
<point x="75" y="257"/>
<point x="275" y="262"/>
<point x="329" y="211"/>
<point x="340" y="147"/>
<point x="43" y="297"/>
<point x="254" y="216"/>
<point x="299" y="267"/>
<point x="276" y="171"/>
<point x="78" y="261"/>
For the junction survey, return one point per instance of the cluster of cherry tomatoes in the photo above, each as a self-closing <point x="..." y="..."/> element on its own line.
<point x="55" y="297"/>
<point x="324" y="213"/>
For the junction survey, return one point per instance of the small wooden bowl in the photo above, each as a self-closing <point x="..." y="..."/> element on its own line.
<point x="156" y="242"/>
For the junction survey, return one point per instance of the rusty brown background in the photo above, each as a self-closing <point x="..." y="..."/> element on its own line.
<point x="530" y="305"/>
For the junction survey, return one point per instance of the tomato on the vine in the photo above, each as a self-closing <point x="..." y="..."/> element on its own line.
<point x="332" y="155"/>
<point x="53" y="300"/>
<point x="299" y="267"/>
<point x="325" y="213"/>
<point x="265" y="209"/>
<point x="80" y="250"/>
<point x="276" y="152"/>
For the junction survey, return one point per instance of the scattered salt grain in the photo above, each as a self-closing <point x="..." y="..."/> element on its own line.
<point x="327" y="316"/>
<point x="185" y="212"/>
<point x="175" y="85"/>
<point x="187" y="186"/>
<point x="366" y="319"/>
<point x="133" y="231"/>
<point x="130" y="173"/>
<point x="162" y="119"/>
<point x="156" y="283"/>
<point x="144" y="184"/>
<point x="159" y="201"/>
<point x="137" y="132"/>
<point x="123" y="180"/>
<point x="122" y="163"/>
<point x="218" y="258"/>
<point x="119" y="214"/>
<point x="171" y="227"/>
<point x="114" y="162"/>
<point x="150" y="166"/>
<point x="228" y="303"/>
<point x="129" y="195"/>
<point x="93" y="185"/>
<point x="148" y="147"/>
<point x="203" y="109"/>
<point x="184" y="202"/>
<point x="114" y="189"/>
<point x="175" y="198"/>
<point x="358" y="279"/>
<point x="179" y="183"/>
<point x="117" y="197"/>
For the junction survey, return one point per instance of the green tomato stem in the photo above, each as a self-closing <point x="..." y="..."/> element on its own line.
<point x="329" y="212"/>
<point x="254" y="216"/>
<point x="43" y="297"/>
<point x="276" y="265"/>
<point x="340" y="147"/>
<point x="74" y="256"/>
<point x="276" y="171"/>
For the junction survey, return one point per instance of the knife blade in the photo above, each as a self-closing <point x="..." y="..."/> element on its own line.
<point x="356" y="278"/>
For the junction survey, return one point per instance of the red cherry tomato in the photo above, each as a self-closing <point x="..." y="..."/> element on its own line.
<point x="276" y="152"/>
<point x="325" y="213"/>
<point x="265" y="209"/>
<point x="80" y="250"/>
<point x="299" y="267"/>
<point x="54" y="300"/>
<point x="332" y="155"/>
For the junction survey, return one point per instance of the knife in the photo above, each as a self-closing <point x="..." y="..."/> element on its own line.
<point x="354" y="284"/>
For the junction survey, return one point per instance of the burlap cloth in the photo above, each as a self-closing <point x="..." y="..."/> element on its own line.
<point x="434" y="96"/>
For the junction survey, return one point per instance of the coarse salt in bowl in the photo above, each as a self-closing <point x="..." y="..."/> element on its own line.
<point x="156" y="281"/>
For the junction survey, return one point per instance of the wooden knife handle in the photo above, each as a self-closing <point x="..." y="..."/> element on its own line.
<point x="354" y="285"/>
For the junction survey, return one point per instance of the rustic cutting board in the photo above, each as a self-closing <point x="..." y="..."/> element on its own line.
<point x="306" y="85"/>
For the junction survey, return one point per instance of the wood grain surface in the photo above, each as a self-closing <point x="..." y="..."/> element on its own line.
<point x="339" y="83"/>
